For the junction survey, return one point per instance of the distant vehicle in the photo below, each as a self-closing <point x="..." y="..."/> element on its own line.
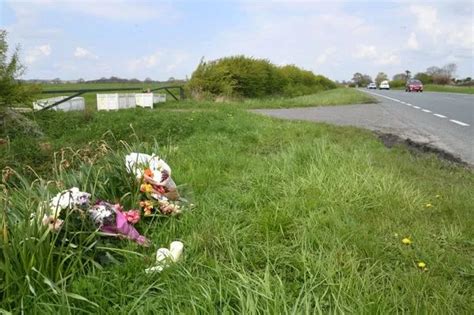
<point x="414" y="86"/>
<point x="384" y="85"/>
<point x="372" y="86"/>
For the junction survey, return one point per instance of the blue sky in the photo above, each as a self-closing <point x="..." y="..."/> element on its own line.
<point x="161" y="39"/>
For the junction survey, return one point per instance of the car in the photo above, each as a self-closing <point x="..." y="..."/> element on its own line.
<point x="384" y="85"/>
<point x="414" y="86"/>
<point x="372" y="86"/>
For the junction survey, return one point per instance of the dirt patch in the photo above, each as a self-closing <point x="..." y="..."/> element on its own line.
<point x="391" y="140"/>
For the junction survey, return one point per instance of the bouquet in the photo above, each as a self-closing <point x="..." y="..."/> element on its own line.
<point x="111" y="219"/>
<point x="159" y="192"/>
<point x="70" y="200"/>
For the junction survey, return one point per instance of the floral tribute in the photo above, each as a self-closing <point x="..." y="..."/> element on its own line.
<point x="159" y="193"/>
<point x="71" y="200"/>
<point x="158" y="196"/>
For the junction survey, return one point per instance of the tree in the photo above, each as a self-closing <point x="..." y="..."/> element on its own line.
<point x="12" y="90"/>
<point x="380" y="77"/>
<point x="361" y="79"/>
<point x="442" y="75"/>
<point x="425" y="78"/>
<point x="400" y="77"/>
<point x="433" y="70"/>
<point x="408" y="74"/>
<point x="399" y="80"/>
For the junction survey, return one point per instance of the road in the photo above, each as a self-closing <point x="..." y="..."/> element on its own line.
<point x="442" y="120"/>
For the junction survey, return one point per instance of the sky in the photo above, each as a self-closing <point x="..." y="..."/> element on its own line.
<point x="161" y="39"/>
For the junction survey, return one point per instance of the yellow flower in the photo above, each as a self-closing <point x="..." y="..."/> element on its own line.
<point x="406" y="241"/>
<point x="438" y="196"/>
<point x="428" y="205"/>
<point x="147" y="188"/>
<point x="421" y="265"/>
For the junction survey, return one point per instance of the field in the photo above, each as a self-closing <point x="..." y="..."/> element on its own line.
<point x="338" y="96"/>
<point x="290" y="217"/>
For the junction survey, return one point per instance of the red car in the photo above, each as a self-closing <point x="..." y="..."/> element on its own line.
<point x="414" y="86"/>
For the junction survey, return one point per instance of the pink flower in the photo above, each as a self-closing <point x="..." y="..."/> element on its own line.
<point x="133" y="216"/>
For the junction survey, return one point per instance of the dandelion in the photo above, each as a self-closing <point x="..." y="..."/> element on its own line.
<point x="406" y="241"/>
<point x="421" y="265"/>
<point x="438" y="196"/>
<point x="428" y="205"/>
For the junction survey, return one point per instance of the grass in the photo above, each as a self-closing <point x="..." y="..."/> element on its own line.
<point x="339" y="96"/>
<point x="291" y="217"/>
<point x="446" y="88"/>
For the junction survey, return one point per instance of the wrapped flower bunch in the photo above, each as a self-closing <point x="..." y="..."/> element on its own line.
<point x="68" y="200"/>
<point x="159" y="192"/>
<point x="112" y="219"/>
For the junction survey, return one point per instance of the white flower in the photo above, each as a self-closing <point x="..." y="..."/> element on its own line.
<point x="68" y="199"/>
<point x="137" y="162"/>
<point x="99" y="213"/>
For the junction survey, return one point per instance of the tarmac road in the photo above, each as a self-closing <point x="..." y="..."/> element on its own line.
<point x="443" y="120"/>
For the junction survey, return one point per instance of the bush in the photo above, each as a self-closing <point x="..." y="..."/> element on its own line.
<point x="240" y="76"/>
<point x="424" y="78"/>
<point x="397" y="83"/>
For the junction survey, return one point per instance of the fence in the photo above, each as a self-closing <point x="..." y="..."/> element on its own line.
<point x="115" y="101"/>
<point x="144" y="99"/>
<point x="76" y="103"/>
<point x="159" y="98"/>
<point x="120" y="101"/>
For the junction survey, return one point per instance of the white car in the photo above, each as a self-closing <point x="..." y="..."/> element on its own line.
<point x="384" y="85"/>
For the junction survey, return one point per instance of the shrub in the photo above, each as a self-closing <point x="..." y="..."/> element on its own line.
<point x="397" y="83"/>
<point x="240" y="76"/>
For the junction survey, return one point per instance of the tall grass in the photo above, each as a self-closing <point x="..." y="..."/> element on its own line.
<point x="290" y="217"/>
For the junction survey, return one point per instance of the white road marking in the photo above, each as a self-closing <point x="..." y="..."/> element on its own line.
<point x="459" y="123"/>
<point x="425" y="110"/>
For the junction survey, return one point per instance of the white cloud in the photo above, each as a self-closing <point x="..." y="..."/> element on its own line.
<point x="388" y="59"/>
<point x="426" y="18"/>
<point x="37" y="53"/>
<point x="366" y="51"/>
<point x="413" y="42"/>
<point x="322" y="58"/>
<point x="371" y="53"/>
<point x="147" y="62"/>
<point x="163" y="62"/>
<point x="83" y="53"/>
<point x="122" y="10"/>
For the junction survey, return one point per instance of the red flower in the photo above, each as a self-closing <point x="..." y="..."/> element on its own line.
<point x="133" y="216"/>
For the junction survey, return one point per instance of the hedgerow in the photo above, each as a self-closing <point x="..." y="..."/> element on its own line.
<point x="247" y="77"/>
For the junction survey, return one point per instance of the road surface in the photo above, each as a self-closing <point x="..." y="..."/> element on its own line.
<point x="443" y="120"/>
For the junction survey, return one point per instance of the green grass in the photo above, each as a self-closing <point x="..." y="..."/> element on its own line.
<point x="339" y="96"/>
<point x="446" y="88"/>
<point x="291" y="217"/>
